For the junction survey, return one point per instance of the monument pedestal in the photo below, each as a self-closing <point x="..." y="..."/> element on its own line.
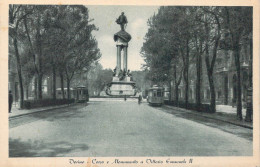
<point x="125" y="87"/>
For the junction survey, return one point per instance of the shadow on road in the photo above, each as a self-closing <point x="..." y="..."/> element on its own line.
<point x="18" y="148"/>
<point x="224" y="126"/>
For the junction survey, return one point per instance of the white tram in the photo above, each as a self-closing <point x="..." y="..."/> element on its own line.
<point x="156" y="95"/>
<point x="80" y="93"/>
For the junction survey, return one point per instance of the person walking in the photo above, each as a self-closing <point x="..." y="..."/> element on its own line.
<point x="10" y="100"/>
<point x="139" y="99"/>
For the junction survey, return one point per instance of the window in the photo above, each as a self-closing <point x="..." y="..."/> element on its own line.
<point x="154" y="93"/>
<point x="159" y="93"/>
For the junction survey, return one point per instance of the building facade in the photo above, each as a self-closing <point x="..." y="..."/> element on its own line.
<point x="225" y="77"/>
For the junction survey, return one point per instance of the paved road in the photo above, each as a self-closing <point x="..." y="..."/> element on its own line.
<point x="119" y="128"/>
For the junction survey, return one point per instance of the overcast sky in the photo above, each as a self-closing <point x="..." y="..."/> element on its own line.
<point x="104" y="18"/>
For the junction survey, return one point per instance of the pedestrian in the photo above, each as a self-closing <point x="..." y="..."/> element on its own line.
<point x="10" y="100"/>
<point x="139" y="99"/>
<point x="125" y="98"/>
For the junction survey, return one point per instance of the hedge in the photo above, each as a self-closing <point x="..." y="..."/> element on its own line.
<point x="28" y="104"/>
<point x="191" y="106"/>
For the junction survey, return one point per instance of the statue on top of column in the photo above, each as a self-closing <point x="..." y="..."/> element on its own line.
<point x="122" y="20"/>
<point x="122" y="34"/>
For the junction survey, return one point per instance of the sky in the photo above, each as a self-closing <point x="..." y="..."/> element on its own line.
<point x="104" y="18"/>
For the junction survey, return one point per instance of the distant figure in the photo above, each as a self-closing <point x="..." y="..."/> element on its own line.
<point x="122" y="20"/>
<point x="125" y="98"/>
<point x="139" y="99"/>
<point x="124" y="73"/>
<point x="128" y="72"/>
<point x="10" y="100"/>
<point x="114" y="72"/>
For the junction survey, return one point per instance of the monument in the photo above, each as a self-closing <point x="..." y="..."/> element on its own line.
<point x="122" y="83"/>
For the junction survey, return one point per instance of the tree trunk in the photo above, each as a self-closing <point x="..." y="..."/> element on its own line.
<point x="68" y="89"/>
<point x="186" y="89"/>
<point x="249" y="110"/>
<point x="175" y="84"/>
<point x="27" y="91"/>
<point x="212" y="92"/>
<point x="39" y="86"/>
<point x="186" y="75"/>
<point x="177" y="94"/>
<point x="210" y="65"/>
<point x="19" y="71"/>
<point x="170" y="90"/>
<point x="239" y="100"/>
<point x="39" y="58"/>
<point x="210" y="78"/>
<point x="35" y="88"/>
<point x="53" y="82"/>
<point x="62" y="85"/>
<point x="198" y="81"/>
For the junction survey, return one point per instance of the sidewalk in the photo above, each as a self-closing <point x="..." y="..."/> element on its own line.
<point x="17" y="112"/>
<point x="223" y="113"/>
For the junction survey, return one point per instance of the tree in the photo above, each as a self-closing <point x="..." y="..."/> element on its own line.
<point x="16" y="15"/>
<point x="212" y="30"/>
<point x="35" y="40"/>
<point x="198" y="38"/>
<point x="157" y="49"/>
<point x="237" y="23"/>
<point x="80" y="47"/>
<point x="177" y="69"/>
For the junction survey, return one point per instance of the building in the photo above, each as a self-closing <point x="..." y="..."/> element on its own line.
<point x="225" y="77"/>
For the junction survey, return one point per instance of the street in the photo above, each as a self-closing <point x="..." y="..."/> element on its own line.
<point x="104" y="127"/>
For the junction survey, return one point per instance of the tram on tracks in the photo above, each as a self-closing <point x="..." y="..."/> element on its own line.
<point x="156" y="95"/>
<point x="79" y="93"/>
<point x="82" y="94"/>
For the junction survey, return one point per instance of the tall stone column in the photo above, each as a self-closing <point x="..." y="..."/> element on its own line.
<point x="118" y="59"/>
<point x="125" y="58"/>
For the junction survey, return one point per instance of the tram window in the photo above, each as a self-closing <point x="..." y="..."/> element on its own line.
<point x="154" y="93"/>
<point x="159" y="94"/>
<point x="150" y="93"/>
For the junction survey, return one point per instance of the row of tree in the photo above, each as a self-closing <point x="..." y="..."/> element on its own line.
<point x="98" y="78"/>
<point x="179" y="35"/>
<point x="49" y="40"/>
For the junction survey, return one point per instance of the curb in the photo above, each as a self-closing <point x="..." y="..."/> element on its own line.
<point x="193" y="112"/>
<point x="57" y="107"/>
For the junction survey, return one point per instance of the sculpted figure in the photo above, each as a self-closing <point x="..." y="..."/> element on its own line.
<point x="122" y="20"/>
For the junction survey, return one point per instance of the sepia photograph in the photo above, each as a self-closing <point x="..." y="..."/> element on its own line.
<point x="131" y="81"/>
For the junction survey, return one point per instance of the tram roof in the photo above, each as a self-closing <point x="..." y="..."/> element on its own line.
<point x="156" y="88"/>
<point x="65" y="89"/>
<point x="81" y="87"/>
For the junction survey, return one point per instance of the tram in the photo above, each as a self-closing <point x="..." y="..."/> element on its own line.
<point x="156" y="95"/>
<point x="79" y="93"/>
<point x="59" y="93"/>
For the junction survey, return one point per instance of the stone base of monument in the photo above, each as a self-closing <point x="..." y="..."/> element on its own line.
<point x="124" y="87"/>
